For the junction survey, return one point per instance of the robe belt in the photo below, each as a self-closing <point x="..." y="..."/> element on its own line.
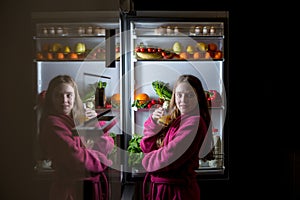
<point x="164" y="180"/>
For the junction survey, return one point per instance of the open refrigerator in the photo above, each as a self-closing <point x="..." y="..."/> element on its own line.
<point x="112" y="48"/>
<point x="192" y="42"/>
<point x="203" y="40"/>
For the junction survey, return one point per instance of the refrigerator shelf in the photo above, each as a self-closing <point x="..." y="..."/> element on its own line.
<point x="178" y="60"/>
<point x="179" y="28"/>
<point x="138" y="175"/>
<point x="210" y="170"/>
<point x="69" y="60"/>
<point x="180" y="36"/>
<point x="96" y="127"/>
<point x="69" y="36"/>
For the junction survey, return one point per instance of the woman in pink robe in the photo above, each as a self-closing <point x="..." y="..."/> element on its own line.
<point x="77" y="169"/>
<point x="171" y="153"/>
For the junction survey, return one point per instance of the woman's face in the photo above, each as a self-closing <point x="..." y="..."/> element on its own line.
<point x="185" y="98"/>
<point x="63" y="99"/>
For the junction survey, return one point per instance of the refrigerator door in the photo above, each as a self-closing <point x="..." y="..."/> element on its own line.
<point x="86" y="46"/>
<point x="163" y="45"/>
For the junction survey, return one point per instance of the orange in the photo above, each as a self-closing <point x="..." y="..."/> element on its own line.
<point x="73" y="56"/>
<point x="60" y="56"/>
<point x="218" y="55"/>
<point x="183" y="55"/>
<point x="197" y="55"/>
<point x="115" y="98"/>
<point x="207" y="55"/>
<point x="39" y="56"/>
<point x="142" y="97"/>
<point x="49" y="56"/>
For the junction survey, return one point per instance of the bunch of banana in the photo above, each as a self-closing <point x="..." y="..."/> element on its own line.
<point x="148" y="56"/>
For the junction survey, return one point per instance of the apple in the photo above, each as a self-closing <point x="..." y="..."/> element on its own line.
<point x="177" y="47"/>
<point x="80" y="47"/>
<point x="169" y="56"/>
<point x="212" y="47"/>
<point x="201" y="46"/>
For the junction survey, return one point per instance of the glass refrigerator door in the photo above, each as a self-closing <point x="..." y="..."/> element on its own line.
<point x="89" y="51"/>
<point x="161" y="49"/>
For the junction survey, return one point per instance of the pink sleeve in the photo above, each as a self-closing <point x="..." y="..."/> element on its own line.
<point x="148" y="142"/>
<point x="181" y="145"/>
<point x="68" y="152"/>
<point x="105" y="144"/>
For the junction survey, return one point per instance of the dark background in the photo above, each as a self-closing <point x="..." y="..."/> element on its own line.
<point x="263" y="152"/>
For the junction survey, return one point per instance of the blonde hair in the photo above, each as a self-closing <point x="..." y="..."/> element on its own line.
<point x="202" y="102"/>
<point x="201" y="97"/>
<point x="48" y="107"/>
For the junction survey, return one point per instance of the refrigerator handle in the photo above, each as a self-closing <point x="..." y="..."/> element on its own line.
<point x="110" y="45"/>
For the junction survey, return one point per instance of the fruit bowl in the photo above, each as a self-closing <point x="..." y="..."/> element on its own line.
<point x="148" y="56"/>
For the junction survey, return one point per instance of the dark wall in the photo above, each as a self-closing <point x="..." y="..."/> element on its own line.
<point x="16" y="78"/>
<point x="259" y="159"/>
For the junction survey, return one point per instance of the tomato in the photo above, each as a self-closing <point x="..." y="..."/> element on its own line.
<point x="149" y="105"/>
<point x="153" y="101"/>
<point x="137" y="49"/>
<point x="214" y="98"/>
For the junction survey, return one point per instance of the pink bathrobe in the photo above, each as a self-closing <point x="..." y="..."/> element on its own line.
<point x="75" y="165"/>
<point x="171" y="167"/>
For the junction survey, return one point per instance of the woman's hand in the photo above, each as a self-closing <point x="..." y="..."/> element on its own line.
<point x="157" y="113"/>
<point x="90" y="113"/>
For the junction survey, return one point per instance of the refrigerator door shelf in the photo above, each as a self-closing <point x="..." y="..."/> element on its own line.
<point x="179" y="28"/>
<point x="95" y="127"/>
<point x="72" y="29"/>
